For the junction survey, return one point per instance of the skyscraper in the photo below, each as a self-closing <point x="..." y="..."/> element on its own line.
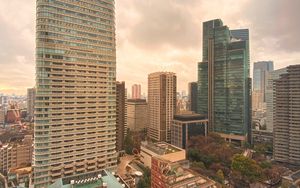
<point x="193" y="92"/>
<point x="223" y="80"/>
<point x="30" y="103"/>
<point x="136" y="91"/>
<point x="271" y="77"/>
<point x="286" y="116"/>
<point x="121" y="115"/>
<point x="260" y="72"/>
<point x="75" y="108"/>
<point x="161" y="105"/>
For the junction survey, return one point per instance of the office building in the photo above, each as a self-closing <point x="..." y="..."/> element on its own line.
<point x="75" y="107"/>
<point x="161" y="149"/>
<point x="187" y="125"/>
<point x="224" y="85"/>
<point x="121" y="115"/>
<point x="15" y="155"/>
<point x="166" y="174"/>
<point x="193" y="92"/>
<point x="271" y="77"/>
<point x="136" y="91"/>
<point x="30" y="103"/>
<point x="260" y="72"/>
<point x="286" y="116"/>
<point x="161" y="105"/>
<point x="137" y="116"/>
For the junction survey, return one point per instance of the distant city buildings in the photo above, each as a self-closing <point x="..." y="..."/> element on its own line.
<point x="224" y="81"/>
<point x="136" y="91"/>
<point x="121" y="120"/>
<point x="161" y="105"/>
<point x="286" y="116"/>
<point x="193" y="96"/>
<point x="187" y="125"/>
<point x="75" y="107"/>
<point x="30" y="103"/>
<point x="260" y="80"/>
<point x="271" y="77"/>
<point x="16" y="155"/>
<point x="137" y="116"/>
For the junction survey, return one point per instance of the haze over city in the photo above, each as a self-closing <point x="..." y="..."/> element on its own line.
<point x="157" y="36"/>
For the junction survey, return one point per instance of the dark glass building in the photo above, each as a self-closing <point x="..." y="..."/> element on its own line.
<point x="193" y="92"/>
<point x="224" y="86"/>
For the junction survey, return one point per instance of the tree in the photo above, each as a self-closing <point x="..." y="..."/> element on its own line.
<point x="220" y="176"/>
<point x="248" y="168"/>
<point x="128" y="143"/>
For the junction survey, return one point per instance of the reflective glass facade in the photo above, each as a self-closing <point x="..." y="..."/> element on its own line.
<point x="75" y="108"/>
<point x="223" y="79"/>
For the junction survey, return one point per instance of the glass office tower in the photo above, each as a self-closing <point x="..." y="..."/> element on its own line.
<point x="75" y="108"/>
<point x="224" y="86"/>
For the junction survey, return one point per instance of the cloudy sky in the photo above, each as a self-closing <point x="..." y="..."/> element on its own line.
<point x="158" y="35"/>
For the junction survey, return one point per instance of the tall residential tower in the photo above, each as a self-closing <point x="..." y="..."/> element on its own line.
<point x="161" y="105"/>
<point x="223" y="80"/>
<point x="75" y="108"/>
<point x="287" y="116"/>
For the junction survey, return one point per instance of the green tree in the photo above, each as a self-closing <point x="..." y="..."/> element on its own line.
<point x="220" y="176"/>
<point x="248" y="168"/>
<point x="128" y="143"/>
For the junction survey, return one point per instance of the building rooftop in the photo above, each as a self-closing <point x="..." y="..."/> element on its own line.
<point x="189" y="116"/>
<point x="105" y="178"/>
<point x="161" y="148"/>
<point x="137" y="100"/>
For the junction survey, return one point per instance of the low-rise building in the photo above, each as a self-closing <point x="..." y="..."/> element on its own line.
<point x="291" y="180"/>
<point x="166" y="174"/>
<point x="187" y="125"/>
<point x="15" y="155"/>
<point x="262" y="136"/>
<point x="104" y="179"/>
<point x="161" y="149"/>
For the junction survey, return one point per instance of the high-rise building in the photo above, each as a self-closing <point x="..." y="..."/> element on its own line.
<point x="271" y="77"/>
<point x="137" y="119"/>
<point x="136" y="91"/>
<point x="260" y="72"/>
<point x="121" y="115"/>
<point x="30" y="103"/>
<point x="161" y="105"/>
<point x="286" y="116"/>
<point x="193" y="92"/>
<point x="224" y="86"/>
<point x="75" y="107"/>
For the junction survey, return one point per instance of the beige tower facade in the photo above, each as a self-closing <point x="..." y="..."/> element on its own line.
<point x="121" y="115"/>
<point x="75" y="107"/>
<point x="137" y="119"/>
<point x="30" y="103"/>
<point x="161" y="105"/>
<point x="287" y="116"/>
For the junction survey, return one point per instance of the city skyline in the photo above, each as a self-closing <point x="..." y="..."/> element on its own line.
<point x="144" y="48"/>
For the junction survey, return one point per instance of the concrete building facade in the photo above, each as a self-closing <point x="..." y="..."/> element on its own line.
<point x="136" y="91"/>
<point x="30" y="103"/>
<point x="161" y="105"/>
<point x="137" y="116"/>
<point x="75" y="107"/>
<point x="287" y="116"/>
<point x="121" y="129"/>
